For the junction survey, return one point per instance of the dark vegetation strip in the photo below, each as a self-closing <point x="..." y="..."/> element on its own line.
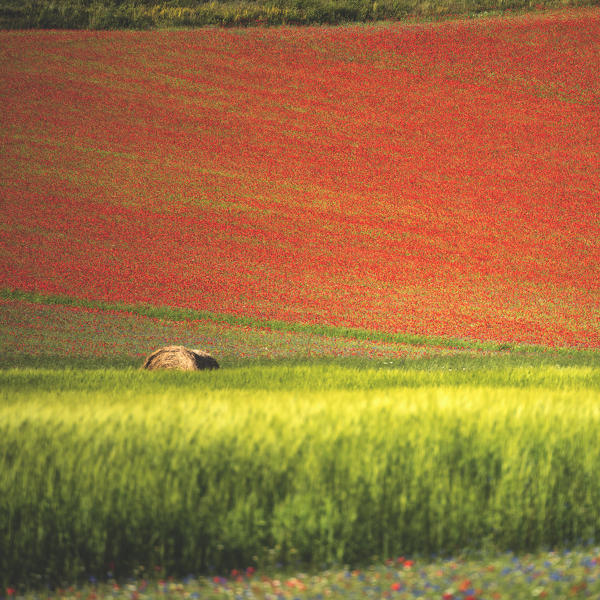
<point x="146" y="14"/>
<point x="172" y="313"/>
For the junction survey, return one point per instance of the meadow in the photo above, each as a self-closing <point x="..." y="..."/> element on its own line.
<point x="386" y="234"/>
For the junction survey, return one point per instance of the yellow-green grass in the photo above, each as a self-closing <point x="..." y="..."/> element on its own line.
<point x="312" y="463"/>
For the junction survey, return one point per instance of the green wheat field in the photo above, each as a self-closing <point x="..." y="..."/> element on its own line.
<point x="314" y="462"/>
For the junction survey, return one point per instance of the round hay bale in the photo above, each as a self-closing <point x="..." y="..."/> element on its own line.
<point x="180" y="358"/>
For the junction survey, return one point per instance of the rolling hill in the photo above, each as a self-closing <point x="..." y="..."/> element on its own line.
<point x="431" y="179"/>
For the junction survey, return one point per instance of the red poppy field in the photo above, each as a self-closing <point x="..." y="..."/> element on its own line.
<point x="434" y="179"/>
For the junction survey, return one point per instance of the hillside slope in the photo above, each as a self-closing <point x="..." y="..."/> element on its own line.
<point x="428" y="179"/>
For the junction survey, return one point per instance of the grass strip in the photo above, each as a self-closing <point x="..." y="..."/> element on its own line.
<point x="171" y="313"/>
<point x="303" y="377"/>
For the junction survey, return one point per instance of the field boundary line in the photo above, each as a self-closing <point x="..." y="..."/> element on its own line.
<point x="174" y="313"/>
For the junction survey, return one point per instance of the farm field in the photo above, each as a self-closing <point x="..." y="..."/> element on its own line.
<point x="46" y="330"/>
<point x="389" y="237"/>
<point x="37" y="325"/>
<point x="316" y="463"/>
<point x="307" y="450"/>
<point x="432" y="179"/>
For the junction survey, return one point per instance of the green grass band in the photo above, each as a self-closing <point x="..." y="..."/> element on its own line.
<point x="171" y="313"/>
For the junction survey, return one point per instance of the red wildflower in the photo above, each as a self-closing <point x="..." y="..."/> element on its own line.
<point x="424" y="179"/>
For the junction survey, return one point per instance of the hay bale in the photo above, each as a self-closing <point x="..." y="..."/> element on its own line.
<point x="180" y="358"/>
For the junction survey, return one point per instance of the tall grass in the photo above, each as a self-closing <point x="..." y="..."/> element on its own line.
<point x="109" y="469"/>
